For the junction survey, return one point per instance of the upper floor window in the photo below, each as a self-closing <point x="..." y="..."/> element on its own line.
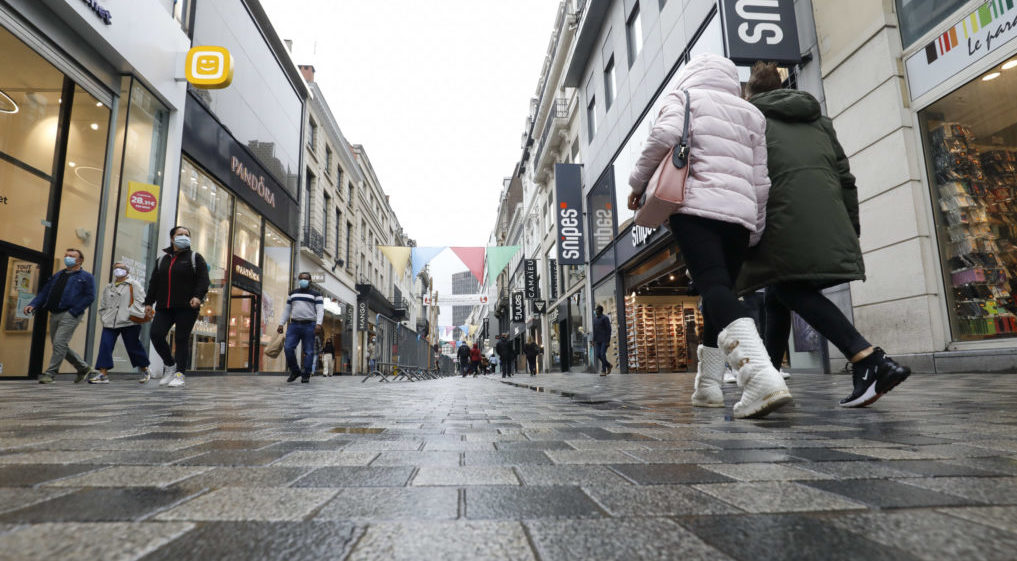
<point x="634" y="34"/>
<point x="312" y="137"/>
<point x="609" y="83"/>
<point x="591" y="117"/>
<point x="328" y="159"/>
<point x="183" y="12"/>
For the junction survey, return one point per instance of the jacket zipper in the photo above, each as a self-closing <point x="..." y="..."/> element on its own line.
<point x="169" y="281"/>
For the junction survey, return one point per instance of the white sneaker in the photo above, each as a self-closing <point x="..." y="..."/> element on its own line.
<point x="784" y="374"/>
<point x="176" y="380"/>
<point x="707" y="392"/>
<point x="167" y="374"/>
<point x="764" y="389"/>
<point x="146" y="375"/>
<point x="729" y="375"/>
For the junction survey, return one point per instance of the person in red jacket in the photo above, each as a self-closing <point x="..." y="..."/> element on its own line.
<point x="475" y="359"/>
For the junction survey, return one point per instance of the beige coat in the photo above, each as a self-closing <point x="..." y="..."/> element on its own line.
<point x="115" y="303"/>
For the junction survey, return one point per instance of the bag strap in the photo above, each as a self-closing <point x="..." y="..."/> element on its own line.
<point x="131" y="286"/>
<point x="681" y="155"/>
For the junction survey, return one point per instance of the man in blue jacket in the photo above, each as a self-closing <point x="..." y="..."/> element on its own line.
<point x="66" y="296"/>
<point x="602" y="339"/>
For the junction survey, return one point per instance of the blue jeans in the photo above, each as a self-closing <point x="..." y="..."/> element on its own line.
<point x="302" y="334"/>
<point x="601" y="353"/>
<point x="131" y="335"/>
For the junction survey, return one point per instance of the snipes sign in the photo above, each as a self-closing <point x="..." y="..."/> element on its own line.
<point x="568" y="186"/>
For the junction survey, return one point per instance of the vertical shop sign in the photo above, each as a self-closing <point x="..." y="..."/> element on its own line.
<point x="487" y="326"/>
<point x="600" y="206"/>
<point x="142" y="201"/>
<point x="552" y="278"/>
<point x="361" y="315"/>
<point x="518" y="307"/>
<point x="530" y="276"/>
<point x="760" y="30"/>
<point x="568" y="186"/>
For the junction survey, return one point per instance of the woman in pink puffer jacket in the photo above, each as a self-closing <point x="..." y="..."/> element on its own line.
<point x="724" y="213"/>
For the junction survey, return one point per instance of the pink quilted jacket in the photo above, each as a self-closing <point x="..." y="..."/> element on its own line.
<point x="728" y="179"/>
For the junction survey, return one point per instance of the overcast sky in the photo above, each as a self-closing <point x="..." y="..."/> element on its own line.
<point x="437" y="91"/>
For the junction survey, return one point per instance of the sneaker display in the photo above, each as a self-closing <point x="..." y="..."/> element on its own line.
<point x="145" y="376"/>
<point x="45" y="379"/>
<point x="99" y="379"/>
<point x="873" y="377"/>
<point x="176" y="380"/>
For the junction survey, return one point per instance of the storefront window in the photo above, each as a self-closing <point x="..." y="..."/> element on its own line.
<point x="918" y="17"/>
<point x="207" y="209"/>
<point x="971" y="153"/>
<point x="247" y="234"/>
<point x="275" y="289"/>
<point x="581" y="335"/>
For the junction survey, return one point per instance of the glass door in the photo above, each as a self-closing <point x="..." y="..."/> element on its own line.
<point x="242" y="332"/>
<point x="20" y="282"/>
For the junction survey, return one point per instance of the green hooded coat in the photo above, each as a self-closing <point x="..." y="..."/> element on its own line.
<point x="812" y="214"/>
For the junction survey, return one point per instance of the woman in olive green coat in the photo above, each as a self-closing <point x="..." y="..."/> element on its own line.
<point x="811" y="236"/>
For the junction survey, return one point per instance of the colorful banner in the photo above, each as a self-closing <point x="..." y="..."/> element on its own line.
<point x="399" y="256"/>
<point x="421" y="256"/>
<point x="457" y="300"/>
<point x="473" y="258"/>
<point x="498" y="257"/>
<point x="142" y="202"/>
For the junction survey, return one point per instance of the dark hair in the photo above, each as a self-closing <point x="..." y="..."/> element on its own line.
<point x="173" y="230"/>
<point x="302" y="273"/>
<point x="600" y="308"/>
<point x="764" y="78"/>
<point x="81" y="256"/>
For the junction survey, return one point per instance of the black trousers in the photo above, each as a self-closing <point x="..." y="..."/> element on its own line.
<point x="184" y="319"/>
<point x="824" y="316"/>
<point x="714" y="252"/>
<point x="506" y="366"/>
<point x="531" y="364"/>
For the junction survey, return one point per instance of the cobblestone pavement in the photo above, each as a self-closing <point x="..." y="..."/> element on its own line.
<point x="619" y="468"/>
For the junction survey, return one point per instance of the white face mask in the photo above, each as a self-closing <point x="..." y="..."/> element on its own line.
<point x="119" y="273"/>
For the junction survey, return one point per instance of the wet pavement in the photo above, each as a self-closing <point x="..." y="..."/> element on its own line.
<point x="578" y="467"/>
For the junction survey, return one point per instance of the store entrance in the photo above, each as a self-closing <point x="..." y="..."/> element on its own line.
<point x="20" y="349"/>
<point x="243" y="332"/>
<point x="563" y="340"/>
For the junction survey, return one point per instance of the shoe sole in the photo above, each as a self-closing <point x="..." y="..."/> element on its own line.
<point x="873" y="393"/>
<point x="696" y="403"/>
<point x="768" y="405"/>
<point x="98" y="382"/>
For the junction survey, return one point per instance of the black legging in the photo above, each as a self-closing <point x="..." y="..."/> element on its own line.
<point x="714" y="252"/>
<point x="184" y="319"/>
<point x="823" y="315"/>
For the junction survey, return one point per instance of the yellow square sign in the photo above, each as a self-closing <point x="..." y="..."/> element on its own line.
<point x="209" y="67"/>
<point x="142" y="201"/>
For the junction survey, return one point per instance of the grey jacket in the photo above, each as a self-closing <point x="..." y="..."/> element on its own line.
<point x="115" y="303"/>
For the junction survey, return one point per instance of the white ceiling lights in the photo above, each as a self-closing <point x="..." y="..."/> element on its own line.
<point x="7" y="104"/>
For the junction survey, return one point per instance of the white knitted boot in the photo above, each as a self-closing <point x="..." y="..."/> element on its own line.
<point x="763" y="388"/>
<point x="708" y="378"/>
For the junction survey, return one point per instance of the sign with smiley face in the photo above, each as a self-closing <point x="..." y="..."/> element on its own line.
<point x="209" y="67"/>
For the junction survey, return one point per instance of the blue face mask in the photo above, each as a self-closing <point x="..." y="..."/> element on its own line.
<point x="70" y="261"/>
<point x="304" y="283"/>
<point x="182" y="242"/>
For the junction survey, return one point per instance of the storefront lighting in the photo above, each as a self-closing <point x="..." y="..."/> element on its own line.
<point x="13" y="107"/>
<point x="98" y="104"/>
<point x="670" y="277"/>
<point x="71" y="164"/>
<point x="1010" y="64"/>
<point x="94" y="126"/>
<point x="990" y="76"/>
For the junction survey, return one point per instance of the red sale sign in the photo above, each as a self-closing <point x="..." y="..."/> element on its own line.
<point x="142" y="201"/>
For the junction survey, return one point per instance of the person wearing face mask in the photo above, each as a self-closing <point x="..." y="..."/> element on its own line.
<point x="66" y="296"/>
<point x="121" y="309"/>
<point x="176" y="289"/>
<point x="305" y="310"/>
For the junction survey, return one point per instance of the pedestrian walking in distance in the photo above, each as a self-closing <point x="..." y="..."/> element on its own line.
<point x="531" y="350"/>
<point x="601" y="339"/>
<point x="723" y="214"/>
<point x="475" y="356"/>
<point x="504" y="350"/>
<point x="122" y="311"/>
<point x="177" y="288"/>
<point x="327" y="358"/>
<point x="811" y="237"/>
<point x="305" y="310"/>
<point x="66" y="296"/>
<point x="463" y="354"/>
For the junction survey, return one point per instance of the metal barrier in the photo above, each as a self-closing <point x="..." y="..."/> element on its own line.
<point x="403" y="354"/>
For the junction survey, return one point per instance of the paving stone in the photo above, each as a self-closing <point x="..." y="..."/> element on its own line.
<point x="353" y="476"/>
<point x="657" y="500"/>
<point x="607" y="444"/>
<point x="533" y="445"/>
<point x="270" y="476"/>
<point x="529" y="502"/>
<point x="932" y="536"/>
<point x="251" y="503"/>
<point x="392" y="503"/>
<point x="383" y="445"/>
<point x="98" y="505"/>
<point x="323" y="458"/>
<point x="417" y="459"/>
<point x="13" y="498"/>
<point x="823" y="455"/>
<point x="765" y="472"/>
<point x="314" y="445"/>
<point x="50" y="457"/>
<point x="1000" y="465"/>
<point x="113" y="541"/>
<point x="131" y="476"/>
<point x="938" y="468"/>
<point x="988" y="490"/>
<point x="741" y="444"/>
<point x="748" y="456"/>
<point x="27" y="475"/>
<point x="448" y="541"/>
<point x="233" y="458"/>
<point x="883" y="493"/>
<point x="673" y="456"/>
<point x="1001" y="517"/>
<point x="668" y="474"/>
<point x="506" y="458"/>
<point x="857" y="470"/>
<point x="245" y="541"/>
<point x="788" y="538"/>
<point x="230" y="445"/>
<point x="647" y="539"/>
<point x="591" y="457"/>
<point x="466" y="475"/>
<point x="457" y="446"/>
<point x="776" y="497"/>
<point x="142" y="457"/>
<point x="568" y="475"/>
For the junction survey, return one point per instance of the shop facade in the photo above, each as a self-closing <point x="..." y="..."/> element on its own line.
<point x="88" y="109"/>
<point x="628" y="55"/>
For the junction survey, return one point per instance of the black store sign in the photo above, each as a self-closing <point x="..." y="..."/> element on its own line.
<point x="761" y="30"/>
<point x="540" y="306"/>
<point x="485" y="331"/>
<point x="246" y="275"/>
<point x="211" y="145"/>
<point x="552" y="278"/>
<point x="361" y="315"/>
<point x="531" y="278"/>
<point x="568" y="186"/>
<point x="518" y="307"/>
